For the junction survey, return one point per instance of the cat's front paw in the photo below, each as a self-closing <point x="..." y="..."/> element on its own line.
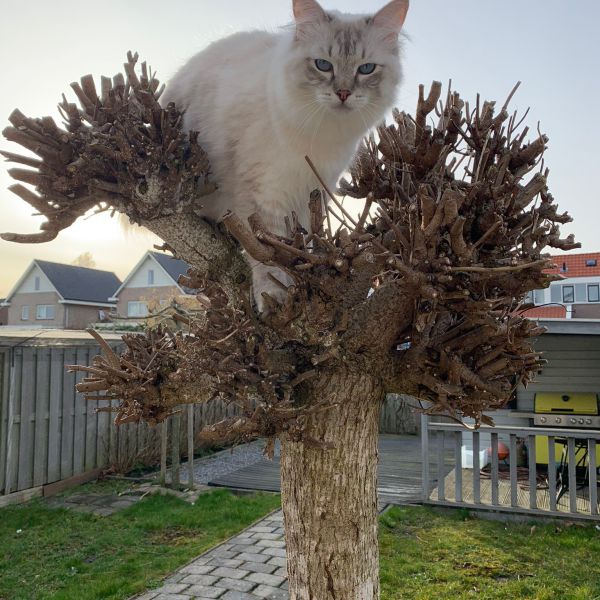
<point x="271" y="281"/>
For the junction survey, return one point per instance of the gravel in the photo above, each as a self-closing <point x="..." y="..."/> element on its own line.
<point x="225" y="462"/>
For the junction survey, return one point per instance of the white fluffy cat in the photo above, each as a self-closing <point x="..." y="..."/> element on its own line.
<point x="262" y="101"/>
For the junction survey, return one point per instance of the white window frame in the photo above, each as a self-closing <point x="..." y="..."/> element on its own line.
<point x="37" y="284"/>
<point x="25" y="313"/>
<point x="150" y="276"/>
<point x="564" y="287"/>
<point x="45" y="312"/>
<point x="137" y="308"/>
<point x="593" y="285"/>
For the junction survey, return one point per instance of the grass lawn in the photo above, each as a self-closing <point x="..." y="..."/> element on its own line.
<point x="430" y="556"/>
<point x="55" y="553"/>
<point x="425" y="555"/>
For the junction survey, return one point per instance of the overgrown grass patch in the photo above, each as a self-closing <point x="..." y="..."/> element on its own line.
<point x="64" y="555"/>
<point x="426" y="555"/>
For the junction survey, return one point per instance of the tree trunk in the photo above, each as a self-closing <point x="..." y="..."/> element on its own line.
<point x="330" y="495"/>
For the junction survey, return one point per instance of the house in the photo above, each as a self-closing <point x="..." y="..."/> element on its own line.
<point x="53" y="295"/>
<point x="576" y="295"/>
<point x="152" y="283"/>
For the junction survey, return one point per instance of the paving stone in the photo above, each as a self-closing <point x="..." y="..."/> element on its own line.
<point x="275" y="552"/>
<point x="266" y="579"/>
<point x="278" y="516"/>
<point x="194" y="569"/>
<point x="239" y="585"/>
<point x="175" y="578"/>
<point x="281" y="572"/>
<point x="104" y="512"/>
<point x="267" y="536"/>
<point x="121" y="504"/>
<point x="270" y="543"/>
<point x="82" y="508"/>
<point x="226" y="562"/>
<point x="202" y="560"/>
<point x="225" y="554"/>
<point x="255" y="567"/>
<point x="240" y="548"/>
<point x="147" y="596"/>
<point x="171" y="597"/>
<point x="233" y="595"/>
<point x="261" y="529"/>
<point x="271" y="593"/>
<point x="253" y="557"/>
<point x="204" y="591"/>
<point x="277" y="560"/>
<point x="199" y="579"/>
<point x="239" y="541"/>
<point x="172" y="588"/>
<point x="229" y="572"/>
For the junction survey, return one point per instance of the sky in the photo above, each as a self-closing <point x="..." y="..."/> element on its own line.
<point x="482" y="45"/>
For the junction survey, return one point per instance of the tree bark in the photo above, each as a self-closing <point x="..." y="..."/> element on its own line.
<point x="329" y="495"/>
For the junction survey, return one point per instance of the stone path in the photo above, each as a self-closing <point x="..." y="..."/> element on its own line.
<point x="248" y="566"/>
<point x="101" y="505"/>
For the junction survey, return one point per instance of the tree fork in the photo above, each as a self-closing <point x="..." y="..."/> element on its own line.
<point x="329" y="495"/>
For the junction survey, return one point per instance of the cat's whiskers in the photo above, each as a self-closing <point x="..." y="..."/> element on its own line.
<point x="306" y="121"/>
<point x="316" y="129"/>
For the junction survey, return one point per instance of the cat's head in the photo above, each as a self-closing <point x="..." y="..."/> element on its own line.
<point x="347" y="63"/>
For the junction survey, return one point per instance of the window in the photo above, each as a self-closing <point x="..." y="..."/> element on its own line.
<point x="36" y="284"/>
<point x="594" y="292"/>
<point x="591" y="262"/>
<point x="568" y="292"/>
<point x="150" y="277"/>
<point x="539" y="296"/>
<point x="44" y="311"/>
<point x="25" y="313"/>
<point x="564" y="268"/>
<point x="137" y="309"/>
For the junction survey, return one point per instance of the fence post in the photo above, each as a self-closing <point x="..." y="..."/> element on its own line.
<point x="425" y="456"/>
<point x="175" y="450"/>
<point x="190" y="432"/>
<point x="163" y="452"/>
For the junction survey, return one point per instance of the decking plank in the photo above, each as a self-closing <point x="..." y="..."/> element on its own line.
<point x="399" y="472"/>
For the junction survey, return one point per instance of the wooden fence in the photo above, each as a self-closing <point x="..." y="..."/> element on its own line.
<point x="494" y="475"/>
<point x="48" y="433"/>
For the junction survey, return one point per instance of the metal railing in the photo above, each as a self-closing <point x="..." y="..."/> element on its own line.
<point x="495" y="468"/>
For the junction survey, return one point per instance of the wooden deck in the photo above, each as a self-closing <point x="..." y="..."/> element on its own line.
<point x="399" y="472"/>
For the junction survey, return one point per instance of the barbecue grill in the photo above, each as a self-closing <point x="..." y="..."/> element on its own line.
<point x="567" y="411"/>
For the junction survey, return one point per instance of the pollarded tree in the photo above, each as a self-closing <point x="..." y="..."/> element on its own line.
<point x="418" y="294"/>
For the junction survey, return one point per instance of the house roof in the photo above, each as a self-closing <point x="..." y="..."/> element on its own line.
<point x="574" y="265"/>
<point x="80" y="283"/>
<point x="173" y="267"/>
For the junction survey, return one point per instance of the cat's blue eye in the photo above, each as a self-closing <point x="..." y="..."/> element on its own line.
<point x="323" y="65"/>
<point x="367" y="68"/>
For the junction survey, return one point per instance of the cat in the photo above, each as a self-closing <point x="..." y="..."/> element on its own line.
<point x="261" y="101"/>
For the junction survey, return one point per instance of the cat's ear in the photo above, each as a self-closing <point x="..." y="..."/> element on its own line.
<point x="390" y="18"/>
<point x="307" y="13"/>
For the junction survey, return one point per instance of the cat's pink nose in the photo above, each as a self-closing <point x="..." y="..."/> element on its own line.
<point x="343" y="94"/>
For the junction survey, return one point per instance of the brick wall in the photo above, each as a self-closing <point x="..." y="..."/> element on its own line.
<point x="32" y="299"/>
<point x="145" y="294"/>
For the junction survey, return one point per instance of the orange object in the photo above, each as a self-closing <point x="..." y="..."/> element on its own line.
<point x="503" y="451"/>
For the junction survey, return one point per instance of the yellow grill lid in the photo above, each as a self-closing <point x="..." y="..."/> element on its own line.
<point x="577" y="404"/>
